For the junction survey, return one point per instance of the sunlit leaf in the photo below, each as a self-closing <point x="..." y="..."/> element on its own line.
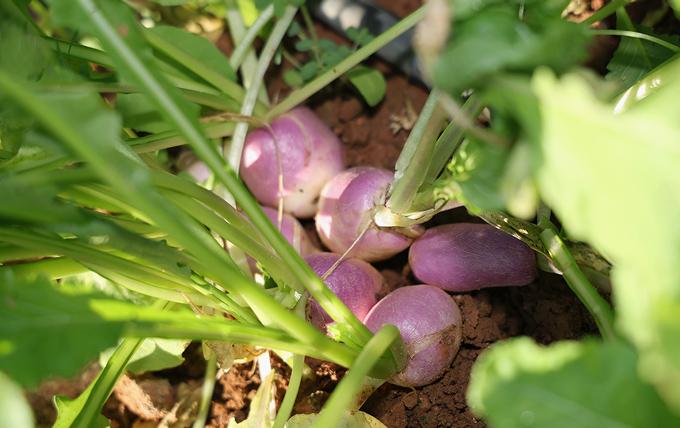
<point x="614" y="181"/>
<point x="369" y="82"/>
<point x="587" y="384"/>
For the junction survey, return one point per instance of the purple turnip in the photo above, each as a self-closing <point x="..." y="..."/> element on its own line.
<point x="465" y="256"/>
<point x="310" y="154"/>
<point x="430" y="323"/>
<point x="346" y="208"/>
<point x="292" y="230"/>
<point x="354" y="281"/>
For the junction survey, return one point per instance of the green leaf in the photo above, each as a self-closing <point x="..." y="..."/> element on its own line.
<point x="369" y="82"/>
<point x="14" y="409"/>
<point x="500" y="37"/>
<point x="70" y="408"/>
<point x="171" y="2"/>
<point x="609" y="177"/>
<point x="304" y="45"/>
<point x="140" y="115"/>
<point x="634" y="58"/>
<point x="199" y="47"/>
<point x="475" y="175"/>
<point x="309" y="70"/>
<point x="153" y="355"/>
<point x="587" y="384"/>
<point x="40" y="322"/>
<point x="260" y="414"/>
<point x="327" y="45"/>
<point x="293" y="78"/>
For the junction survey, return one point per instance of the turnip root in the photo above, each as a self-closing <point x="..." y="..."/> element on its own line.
<point x="354" y="281"/>
<point x="466" y="256"/>
<point x="346" y="208"/>
<point x="310" y="154"/>
<point x="430" y="323"/>
<point x="292" y="230"/>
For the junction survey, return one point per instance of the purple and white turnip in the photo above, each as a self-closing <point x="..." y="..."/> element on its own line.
<point x="430" y="323"/>
<point x="310" y="154"/>
<point x="346" y="208"/>
<point x="355" y="282"/>
<point x="465" y="256"/>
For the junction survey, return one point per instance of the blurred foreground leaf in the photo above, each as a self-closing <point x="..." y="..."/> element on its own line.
<point x="614" y="181"/>
<point x="14" y="409"/>
<point x="586" y="384"/>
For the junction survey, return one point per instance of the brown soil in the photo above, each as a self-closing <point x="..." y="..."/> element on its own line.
<point x="545" y="310"/>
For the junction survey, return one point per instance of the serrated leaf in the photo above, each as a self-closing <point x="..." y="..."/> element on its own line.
<point x="154" y="354"/>
<point x="199" y="47"/>
<point x="14" y="409"/>
<point x="634" y="58"/>
<point x="369" y="82"/>
<point x="612" y="180"/>
<point x="587" y="384"/>
<point x="47" y="331"/>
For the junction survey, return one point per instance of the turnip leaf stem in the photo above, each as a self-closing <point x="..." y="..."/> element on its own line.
<point x="361" y="54"/>
<point x="637" y="35"/>
<point x="605" y="11"/>
<point x="596" y="305"/>
<point x="246" y="42"/>
<point x="416" y="156"/>
<point x="250" y="98"/>
<point x="291" y="392"/>
<point x="102" y="387"/>
<point x="346" y="390"/>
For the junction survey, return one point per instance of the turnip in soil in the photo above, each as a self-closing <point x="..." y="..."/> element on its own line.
<point x="466" y="256"/>
<point x="430" y="323"/>
<point x="354" y="281"/>
<point x="310" y="155"/>
<point x="346" y="209"/>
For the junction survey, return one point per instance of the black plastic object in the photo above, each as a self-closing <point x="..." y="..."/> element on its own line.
<point x="340" y="15"/>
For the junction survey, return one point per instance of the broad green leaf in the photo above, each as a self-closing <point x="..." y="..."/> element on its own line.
<point x="475" y="173"/>
<point x="154" y="354"/>
<point x="351" y="419"/>
<point x="199" y="47"/>
<point x="47" y="331"/>
<point x="69" y="408"/>
<point x="369" y="82"/>
<point x="634" y="58"/>
<point x="140" y="115"/>
<point x="14" y="409"/>
<point x="493" y="38"/>
<point x="586" y="384"/>
<point x="614" y="181"/>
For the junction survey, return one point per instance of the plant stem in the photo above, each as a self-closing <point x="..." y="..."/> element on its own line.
<point x="346" y="390"/>
<point x="605" y="11"/>
<point x="246" y="42"/>
<point x="597" y="306"/>
<point x="415" y="157"/>
<point x="291" y="392"/>
<point x="207" y="390"/>
<point x="266" y="56"/>
<point x="322" y="81"/>
<point x="103" y="385"/>
<point x="636" y="35"/>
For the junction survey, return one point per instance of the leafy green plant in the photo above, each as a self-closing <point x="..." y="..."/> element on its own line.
<point x="564" y="158"/>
